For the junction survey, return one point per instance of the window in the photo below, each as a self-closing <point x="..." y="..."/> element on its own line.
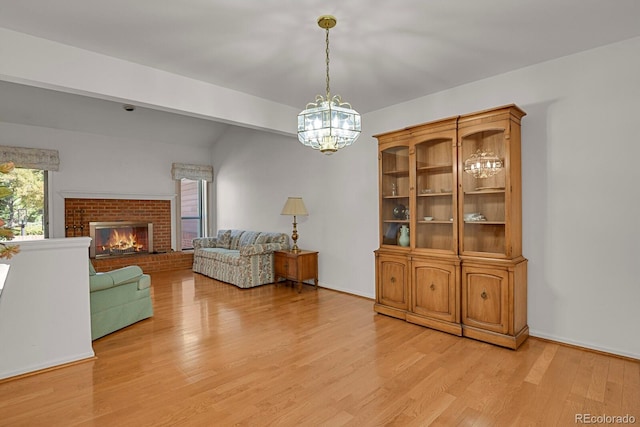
<point x="24" y="209"/>
<point x="192" y="211"/>
<point x="192" y="201"/>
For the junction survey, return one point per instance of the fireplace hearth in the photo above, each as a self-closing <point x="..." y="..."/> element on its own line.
<point x="119" y="238"/>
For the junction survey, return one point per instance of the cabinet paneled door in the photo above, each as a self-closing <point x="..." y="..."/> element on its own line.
<point x="392" y="287"/>
<point x="462" y="262"/>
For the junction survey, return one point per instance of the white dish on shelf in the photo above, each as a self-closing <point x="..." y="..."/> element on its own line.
<point x="428" y="218"/>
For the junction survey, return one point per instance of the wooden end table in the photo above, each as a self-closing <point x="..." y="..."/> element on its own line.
<point x="296" y="266"/>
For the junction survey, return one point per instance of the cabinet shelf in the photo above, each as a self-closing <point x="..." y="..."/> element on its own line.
<point x="436" y="221"/>
<point x="485" y="222"/>
<point x="396" y="173"/>
<point x="396" y="197"/>
<point x="442" y="194"/>
<point x="436" y="168"/>
<point x="480" y="192"/>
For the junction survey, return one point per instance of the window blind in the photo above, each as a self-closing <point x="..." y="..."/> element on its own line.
<point x="31" y="158"/>
<point x="193" y="172"/>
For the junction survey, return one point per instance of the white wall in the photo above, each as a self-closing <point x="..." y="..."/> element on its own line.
<point x="44" y="312"/>
<point x="580" y="195"/>
<point x="100" y="166"/>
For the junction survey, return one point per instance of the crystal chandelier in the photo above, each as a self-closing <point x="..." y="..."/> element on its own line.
<point x="328" y="124"/>
<point x="483" y="164"/>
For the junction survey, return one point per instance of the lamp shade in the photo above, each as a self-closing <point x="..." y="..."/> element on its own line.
<point x="294" y="206"/>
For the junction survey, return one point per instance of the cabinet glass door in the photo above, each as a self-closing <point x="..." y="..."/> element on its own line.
<point x="483" y="213"/>
<point x="435" y="195"/>
<point x="394" y="182"/>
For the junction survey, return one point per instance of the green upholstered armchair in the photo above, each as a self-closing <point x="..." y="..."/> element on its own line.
<point x="118" y="298"/>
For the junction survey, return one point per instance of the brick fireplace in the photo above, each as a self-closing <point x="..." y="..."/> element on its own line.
<point x="79" y="212"/>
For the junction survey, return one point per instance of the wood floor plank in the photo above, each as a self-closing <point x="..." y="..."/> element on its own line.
<point x="214" y="354"/>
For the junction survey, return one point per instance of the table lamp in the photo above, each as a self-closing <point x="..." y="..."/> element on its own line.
<point x="294" y="206"/>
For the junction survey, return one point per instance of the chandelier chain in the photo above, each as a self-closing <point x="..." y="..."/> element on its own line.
<point x="327" y="52"/>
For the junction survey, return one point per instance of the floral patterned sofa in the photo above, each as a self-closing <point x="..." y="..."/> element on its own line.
<point x="242" y="258"/>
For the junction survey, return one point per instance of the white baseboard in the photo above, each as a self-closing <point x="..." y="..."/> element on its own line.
<point x="588" y="345"/>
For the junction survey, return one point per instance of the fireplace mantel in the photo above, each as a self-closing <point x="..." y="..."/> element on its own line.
<point x="70" y="194"/>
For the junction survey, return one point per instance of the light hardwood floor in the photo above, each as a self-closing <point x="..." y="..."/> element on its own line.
<point x="216" y="355"/>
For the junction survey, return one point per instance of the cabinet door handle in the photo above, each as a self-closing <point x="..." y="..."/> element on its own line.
<point x="483" y="295"/>
<point x="432" y="287"/>
<point x="392" y="280"/>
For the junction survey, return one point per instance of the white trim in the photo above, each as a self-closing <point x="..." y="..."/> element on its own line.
<point x="48" y="364"/>
<point x="345" y="291"/>
<point x="49" y="244"/>
<point x="70" y="194"/>
<point x="535" y="333"/>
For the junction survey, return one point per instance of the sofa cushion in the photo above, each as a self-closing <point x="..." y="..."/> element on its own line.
<point x="223" y="239"/>
<point x="219" y="255"/>
<point x="92" y="270"/>
<point x="204" y="242"/>
<point x="209" y="252"/>
<point x="235" y="239"/>
<point x="248" y="238"/>
<point x="99" y="282"/>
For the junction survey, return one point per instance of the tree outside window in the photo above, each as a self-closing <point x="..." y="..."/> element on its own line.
<point x="23" y="207"/>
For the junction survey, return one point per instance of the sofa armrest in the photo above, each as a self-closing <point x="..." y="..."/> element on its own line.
<point x="261" y="248"/>
<point x="205" y="242"/>
<point x="125" y="274"/>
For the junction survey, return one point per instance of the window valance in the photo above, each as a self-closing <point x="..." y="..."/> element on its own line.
<point x="193" y="172"/>
<point x="31" y="158"/>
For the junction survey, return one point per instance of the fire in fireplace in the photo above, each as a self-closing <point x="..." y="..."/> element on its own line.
<point x="120" y="238"/>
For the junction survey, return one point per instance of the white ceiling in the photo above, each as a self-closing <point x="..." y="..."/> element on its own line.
<point x="382" y="52"/>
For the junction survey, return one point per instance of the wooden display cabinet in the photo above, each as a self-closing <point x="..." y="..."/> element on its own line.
<point x="465" y="232"/>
